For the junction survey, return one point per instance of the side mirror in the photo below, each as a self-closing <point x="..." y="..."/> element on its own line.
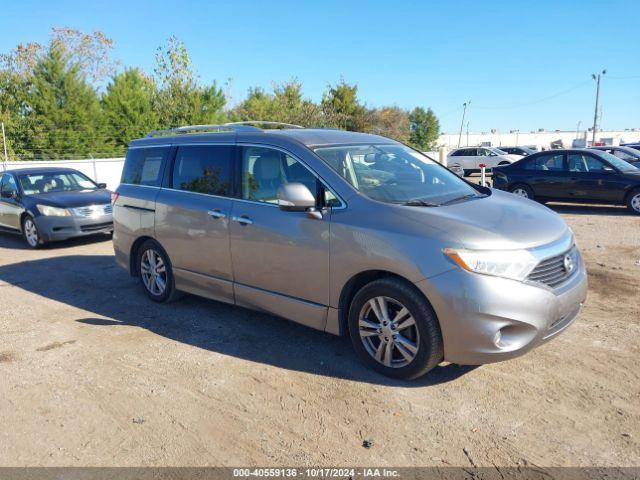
<point x="11" y="194"/>
<point x="102" y="185"/>
<point x="295" y="197"/>
<point x="607" y="170"/>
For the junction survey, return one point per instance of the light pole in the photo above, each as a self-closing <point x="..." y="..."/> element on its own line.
<point x="464" y="112"/>
<point x="595" y="112"/>
<point x="578" y="129"/>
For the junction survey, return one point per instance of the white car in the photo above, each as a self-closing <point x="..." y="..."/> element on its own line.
<point x="470" y="158"/>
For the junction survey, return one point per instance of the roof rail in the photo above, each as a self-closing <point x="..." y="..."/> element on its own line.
<point x="203" y="128"/>
<point x="265" y="122"/>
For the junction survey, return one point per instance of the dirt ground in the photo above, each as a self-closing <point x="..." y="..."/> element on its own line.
<point x="94" y="374"/>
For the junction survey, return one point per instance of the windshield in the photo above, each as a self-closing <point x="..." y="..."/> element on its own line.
<point x="618" y="162"/>
<point x="35" y="184"/>
<point x="396" y="174"/>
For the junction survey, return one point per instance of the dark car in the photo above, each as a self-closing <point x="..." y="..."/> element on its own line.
<point x="524" y="151"/>
<point x="50" y="204"/>
<point x="628" y="154"/>
<point x="577" y="175"/>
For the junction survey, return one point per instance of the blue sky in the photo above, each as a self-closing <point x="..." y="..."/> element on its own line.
<point x="507" y="57"/>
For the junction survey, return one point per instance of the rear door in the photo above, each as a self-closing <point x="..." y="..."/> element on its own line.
<point x="10" y="207"/>
<point x="192" y="219"/>
<point x="466" y="158"/>
<point x="280" y="258"/>
<point x="547" y="175"/>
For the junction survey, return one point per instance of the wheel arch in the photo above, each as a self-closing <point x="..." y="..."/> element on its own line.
<point x="630" y="191"/>
<point x="133" y="254"/>
<point x="354" y="284"/>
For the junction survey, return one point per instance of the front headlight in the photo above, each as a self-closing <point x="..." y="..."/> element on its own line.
<point x="49" y="211"/>
<point x="513" y="264"/>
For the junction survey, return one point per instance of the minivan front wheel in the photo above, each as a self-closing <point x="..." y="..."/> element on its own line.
<point x="394" y="330"/>
<point x="156" y="275"/>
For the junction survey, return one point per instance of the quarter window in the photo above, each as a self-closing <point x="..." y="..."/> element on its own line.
<point x="144" y="166"/>
<point x="203" y="169"/>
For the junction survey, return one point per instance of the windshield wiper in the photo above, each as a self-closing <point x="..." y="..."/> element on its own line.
<point x="419" y="203"/>
<point x="464" y="197"/>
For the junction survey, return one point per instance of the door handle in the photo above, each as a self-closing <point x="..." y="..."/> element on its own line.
<point x="216" y="214"/>
<point x="243" y="220"/>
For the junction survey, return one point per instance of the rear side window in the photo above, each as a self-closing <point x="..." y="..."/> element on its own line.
<point x="203" y="169"/>
<point x="550" y="162"/>
<point x="144" y="166"/>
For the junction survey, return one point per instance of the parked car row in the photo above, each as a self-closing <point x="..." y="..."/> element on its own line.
<point x="573" y="175"/>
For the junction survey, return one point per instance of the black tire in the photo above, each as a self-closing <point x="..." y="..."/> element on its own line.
<point x="466" y="173"/>
<point x="169" y="293"/>
<point x="522" y="188"/>
<point x="429" y="337"/>
<point x="29" y="228"/>
<point x="633" y="201"/>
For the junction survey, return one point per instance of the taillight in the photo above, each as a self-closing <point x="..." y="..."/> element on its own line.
<point x="114" y="197"/>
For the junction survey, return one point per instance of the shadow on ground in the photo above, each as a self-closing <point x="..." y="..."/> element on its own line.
<point x="582" y="209"/>
<point x="95" y="284"/>
<point x="16" y="241"/>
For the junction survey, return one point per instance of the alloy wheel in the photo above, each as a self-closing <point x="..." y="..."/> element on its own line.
<point x="31" y="232"/>
<point x="154" y="272"/>
<point x="521" y="192"/>
<point x="388" y="332"/>
<point x="635" y="203"/>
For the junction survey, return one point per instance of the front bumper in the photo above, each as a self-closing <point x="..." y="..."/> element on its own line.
<point x="487" y="319"/>
<point x="52" y="229"/>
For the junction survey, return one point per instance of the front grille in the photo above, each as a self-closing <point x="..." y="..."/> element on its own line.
<point x="96" y="227"/>
<point x="555" y="270"/>
<point x="93" y="210"/>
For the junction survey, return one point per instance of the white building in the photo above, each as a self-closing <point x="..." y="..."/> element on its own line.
<point x="540" y="139"/>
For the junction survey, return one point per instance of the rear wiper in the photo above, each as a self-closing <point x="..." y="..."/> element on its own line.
<point x="459" y="199"/>
<point x="419" y="203"/>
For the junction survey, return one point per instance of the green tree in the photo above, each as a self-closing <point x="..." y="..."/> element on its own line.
<point x="425" y="128"/>
<point x="64" y="110"/>
<point x="341" y="103"/>
<point x="392" y="122"/>
<point x="181" y="100"/>
<point x="128" y="108"/>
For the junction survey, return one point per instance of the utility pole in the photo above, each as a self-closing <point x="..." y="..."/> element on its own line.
<point x="595" y="112"/>
<point x="467" y="134"/>
<point x="578" y="129"/>
<point x="464" y="112"/>
<point x="4" y="143"/>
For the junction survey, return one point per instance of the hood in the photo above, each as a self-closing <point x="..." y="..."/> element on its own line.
<point x="500" y="221"/>
<point x="80" y="198"/>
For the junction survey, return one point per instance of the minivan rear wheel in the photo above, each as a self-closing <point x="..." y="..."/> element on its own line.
<point x="394" y="330"/>
<point x="155" y="272"/>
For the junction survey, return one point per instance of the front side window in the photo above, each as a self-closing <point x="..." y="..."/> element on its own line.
<point x="582" y="163"/>
<point x="8" y="185"/>
<point x="144" y="166"/>
<point x="203" y="169"/>
<point x="627" y="157"/>
<point x="36" y="184"/>
<point x="395" y="174"/>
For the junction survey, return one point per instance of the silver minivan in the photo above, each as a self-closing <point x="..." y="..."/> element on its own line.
<point x="349" y="233"/>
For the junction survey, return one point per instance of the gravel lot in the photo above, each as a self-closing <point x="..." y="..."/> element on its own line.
<point x="94" y="374"/>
